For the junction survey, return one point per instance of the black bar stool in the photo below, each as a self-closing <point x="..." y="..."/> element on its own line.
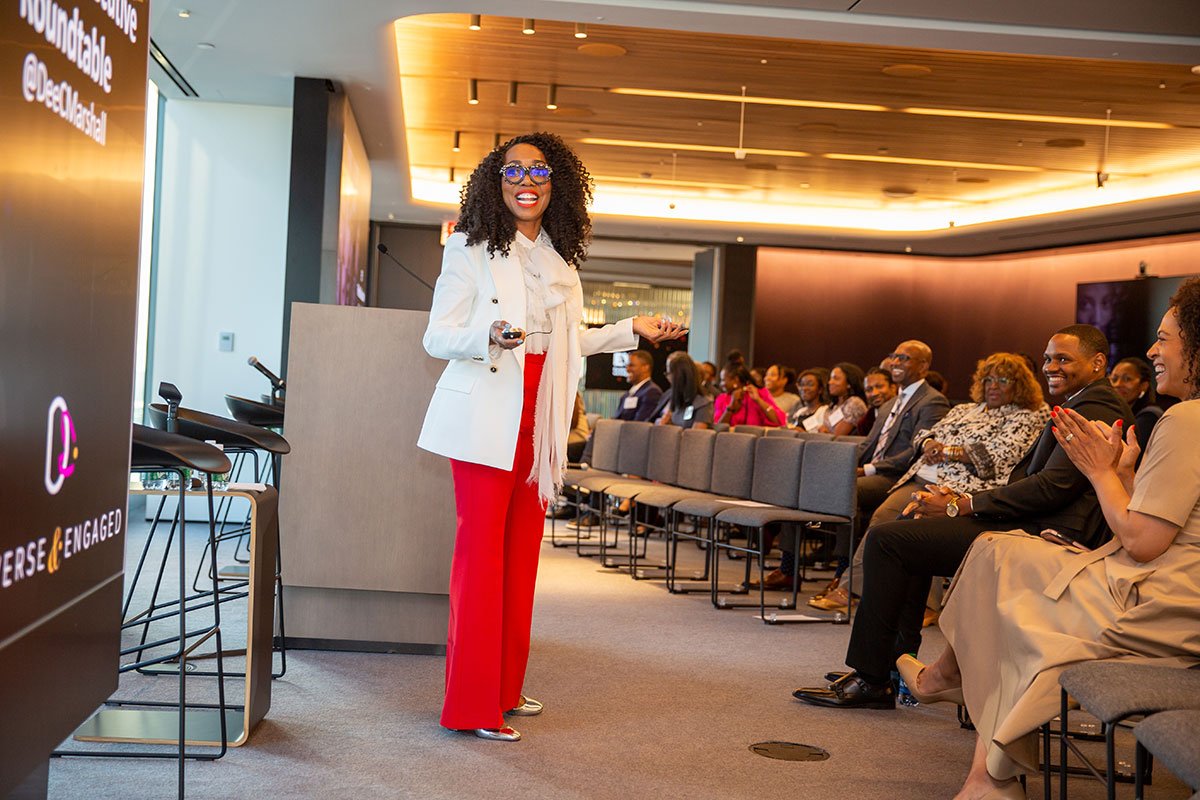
<point x="158" y="451"/>
<point x="239" y="438"/>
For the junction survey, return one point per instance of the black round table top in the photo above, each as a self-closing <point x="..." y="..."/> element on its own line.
<point x="155" y="448"/>
<point x="253" y="412"/>
<point x="226" y="432"/>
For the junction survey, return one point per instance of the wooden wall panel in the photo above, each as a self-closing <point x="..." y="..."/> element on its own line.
<point x="818" y="307"/>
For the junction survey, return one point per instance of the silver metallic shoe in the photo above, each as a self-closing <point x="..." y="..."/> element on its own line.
<point x="528" y="708"/>
<point x="505" y="734"/>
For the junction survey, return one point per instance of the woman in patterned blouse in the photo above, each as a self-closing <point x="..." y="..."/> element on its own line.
<point x="972" y="448"/>
<point x="976" y="445"/>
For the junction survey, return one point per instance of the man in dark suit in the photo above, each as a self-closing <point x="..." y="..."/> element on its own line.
<point x="643" y="395"/>
<point x="900" y="558"/>
<point x="889" y="450"/>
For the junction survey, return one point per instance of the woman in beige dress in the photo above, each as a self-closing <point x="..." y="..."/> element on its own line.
<point x="1022" y="609"/>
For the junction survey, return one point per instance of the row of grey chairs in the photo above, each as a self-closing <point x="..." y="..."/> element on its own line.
<point x="717" y="479"/>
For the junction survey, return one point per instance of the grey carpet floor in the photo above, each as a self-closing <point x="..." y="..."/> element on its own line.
<point x="647" y="695"/>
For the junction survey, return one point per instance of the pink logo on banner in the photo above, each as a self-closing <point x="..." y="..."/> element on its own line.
<point x="61" y="448"/>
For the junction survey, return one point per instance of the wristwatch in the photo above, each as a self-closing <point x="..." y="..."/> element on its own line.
<point x="952" y="507"/>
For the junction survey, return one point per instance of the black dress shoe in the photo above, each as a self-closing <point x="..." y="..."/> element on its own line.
<point x="849" y="691"/>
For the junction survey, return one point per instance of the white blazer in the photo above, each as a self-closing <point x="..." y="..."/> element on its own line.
<point x="476" y="408"/>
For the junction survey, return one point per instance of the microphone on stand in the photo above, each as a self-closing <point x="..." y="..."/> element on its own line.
<point x="381" y="247"/>
<point x="276" y="381"/>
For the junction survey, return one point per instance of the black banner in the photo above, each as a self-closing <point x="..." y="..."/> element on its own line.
<point x="72" y="117"/>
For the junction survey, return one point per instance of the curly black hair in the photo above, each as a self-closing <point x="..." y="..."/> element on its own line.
<point x="1186" y="302"/>
<point x="485" y="218"/>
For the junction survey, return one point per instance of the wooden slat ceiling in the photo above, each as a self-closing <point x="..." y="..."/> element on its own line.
<point x="438" y="54"/>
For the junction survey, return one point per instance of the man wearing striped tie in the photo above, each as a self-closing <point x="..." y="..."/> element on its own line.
<point x="889" y="450"/>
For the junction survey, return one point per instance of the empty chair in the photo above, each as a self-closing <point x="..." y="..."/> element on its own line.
<point x="1171" y="737"/>
<point x="753" y="430"/>
<point x="1113" y="692"/>
<point x="732" y="479"/>
<point x="775" y="491"/>
<point x="661" y="469"/>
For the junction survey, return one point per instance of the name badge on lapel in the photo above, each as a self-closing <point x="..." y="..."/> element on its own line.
<point x="631" y="403"/>
<point x="688" y="413"/>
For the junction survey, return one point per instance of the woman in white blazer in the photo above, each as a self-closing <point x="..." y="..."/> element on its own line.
<point x="506" y="314"/>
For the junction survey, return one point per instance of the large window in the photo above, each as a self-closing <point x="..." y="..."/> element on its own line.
<point x="146" y="252"/>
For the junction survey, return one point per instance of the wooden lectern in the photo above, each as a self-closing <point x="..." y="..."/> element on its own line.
<point x="366" y="518"/>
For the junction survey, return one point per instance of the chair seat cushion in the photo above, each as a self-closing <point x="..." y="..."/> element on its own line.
<point x="708" y="505"/>
<point x="661" y="496"/>
<point x="1172" y="736"/>
<point x="1112" y="690"/>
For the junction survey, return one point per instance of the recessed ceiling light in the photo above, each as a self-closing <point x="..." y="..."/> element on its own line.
<point x="206" y="46"/>
<point x="552" y="97"/>
<point x="602" y="50"/>
<point x="1065" y="143"/>
<point x="1196" y="70"/>
<point x="907" y="70"/>
<point x="804" y="186"/>
<point x="741" y="239"/>
<point x="475" y="23"/>
<point x="184" y="13"/>
<point x="580" y="30"/>
<point x="473" y="91"/>
<point x="528" y="27"/>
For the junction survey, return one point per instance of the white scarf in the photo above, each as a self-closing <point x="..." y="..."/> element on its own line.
<point x="550" y="284"/>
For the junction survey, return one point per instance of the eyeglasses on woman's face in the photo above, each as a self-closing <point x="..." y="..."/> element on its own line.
<point x="998" y="380"/>
<point x="514" y="172"/>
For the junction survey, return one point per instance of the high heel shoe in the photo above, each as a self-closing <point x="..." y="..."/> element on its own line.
<point x="1013" y="790"/>
<point x="505" y="734"/>
<point x="528" y="707"/>
<point x="910" y="671"/>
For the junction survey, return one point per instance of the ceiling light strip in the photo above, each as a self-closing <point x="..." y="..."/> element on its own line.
<point x="931" y="162"/>
<point x="1054" y="120"/>
<point x="737" y="187"/>
<point x="696" y="148"/>
<point x="929" y="112"/>
<point x="737" y="98"/>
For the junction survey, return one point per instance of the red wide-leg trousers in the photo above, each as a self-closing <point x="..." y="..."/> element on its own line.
<point x="496" y="548"/>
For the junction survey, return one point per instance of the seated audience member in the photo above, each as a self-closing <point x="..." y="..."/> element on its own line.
<point x="938" y="381"/>
<point x="643" y="395"/>
<point x="1023" y="609"/>
<point x="972" y="449"/>
<point x="708" y="378"/>
<point x="976" y="446"/>
<point x="743" y="403"/>
<point x="888" y="450"/>
<point x="809" y="413"/>
<point x="900" y="558"/>
<point x="1134" y="381"/>
<point x="778" y="381"/>
<point x="878" y="389"/>
<point x="849" y="405"/>
<point x="577" y="438"/>
<point x="758" y="375"/>
<point x="686" y="406"/>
